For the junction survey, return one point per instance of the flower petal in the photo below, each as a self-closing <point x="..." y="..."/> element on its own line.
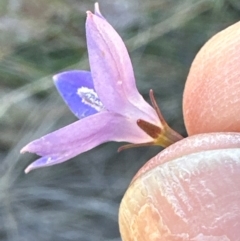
<point x="112" y="71"/>
<point x="77" y="90"/>
<point x="97" y="11"/>
<point x="46" y="161"/>
<point x="82" y="136"/>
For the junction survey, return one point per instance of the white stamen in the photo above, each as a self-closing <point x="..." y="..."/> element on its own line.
<point x="90" y="97"/>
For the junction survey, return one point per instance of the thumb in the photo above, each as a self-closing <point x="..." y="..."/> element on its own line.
<point x="211" y="99"/>
<point x="191" y="190"/>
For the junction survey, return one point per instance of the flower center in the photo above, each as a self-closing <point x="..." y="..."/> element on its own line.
<point x="164" y="136"/>
<point x="90" y="97"/>
<point x="150" y="129"/>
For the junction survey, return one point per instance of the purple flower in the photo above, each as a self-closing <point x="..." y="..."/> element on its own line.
<point x="106" y="101"/>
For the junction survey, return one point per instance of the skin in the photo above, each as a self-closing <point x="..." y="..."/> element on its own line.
<point x="211" y="98"/>
<point x="191" y="191"/>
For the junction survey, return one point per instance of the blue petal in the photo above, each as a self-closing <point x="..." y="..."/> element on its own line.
<point x="77" y="90"/>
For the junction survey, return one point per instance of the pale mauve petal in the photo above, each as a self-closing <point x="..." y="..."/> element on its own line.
<point x="112" y="71"/>
<point x="50" y="160"/>
<point x="97" y="11"/>
<point x="77" y="90"/>
<point x="84" y="135"/>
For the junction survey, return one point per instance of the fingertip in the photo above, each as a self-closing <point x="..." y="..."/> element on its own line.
<point x="212" y="90"/>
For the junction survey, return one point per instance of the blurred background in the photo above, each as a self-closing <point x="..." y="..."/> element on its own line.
<point x="79" y="199"/>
